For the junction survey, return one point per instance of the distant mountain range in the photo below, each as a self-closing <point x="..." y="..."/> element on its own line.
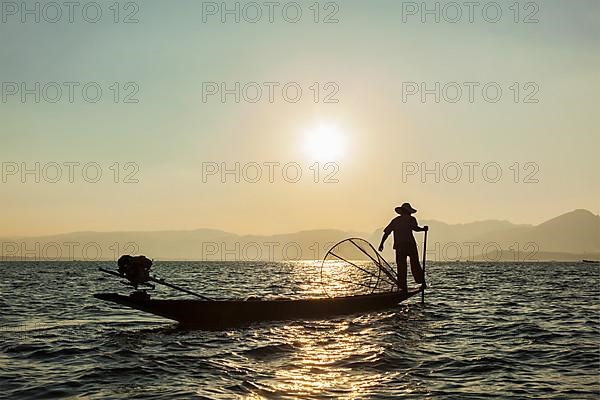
<point x="571" y="236"/>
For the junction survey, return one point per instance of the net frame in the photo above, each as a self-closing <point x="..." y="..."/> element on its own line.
<point x="389" y="276"/>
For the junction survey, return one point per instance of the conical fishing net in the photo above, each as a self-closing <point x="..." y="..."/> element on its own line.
<point x="354" y="267"/>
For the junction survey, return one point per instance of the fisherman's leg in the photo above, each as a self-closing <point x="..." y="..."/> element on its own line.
<point x="401" y="267"/>
<point x="415" y="265"/>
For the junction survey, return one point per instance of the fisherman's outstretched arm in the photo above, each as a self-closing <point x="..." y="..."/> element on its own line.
<point x="385" y="236"/>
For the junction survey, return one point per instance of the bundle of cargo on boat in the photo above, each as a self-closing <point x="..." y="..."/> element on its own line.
<point x="135" y="269"/>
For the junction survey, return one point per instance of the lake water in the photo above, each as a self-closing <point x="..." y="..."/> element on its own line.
<point x="500" y="330"/>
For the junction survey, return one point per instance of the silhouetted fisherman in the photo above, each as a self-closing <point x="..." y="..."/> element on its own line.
<point x="405" y="244"/>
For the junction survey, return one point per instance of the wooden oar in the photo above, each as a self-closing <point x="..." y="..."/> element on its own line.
<point x="162" y="282"/>
<point x="424" y="259"/>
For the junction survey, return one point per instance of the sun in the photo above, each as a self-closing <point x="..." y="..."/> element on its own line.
<point x="325" y="143"/>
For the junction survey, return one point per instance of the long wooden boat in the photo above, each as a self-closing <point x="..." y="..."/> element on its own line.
<point x="230" y="313"/>
<point x="364" y="271"/>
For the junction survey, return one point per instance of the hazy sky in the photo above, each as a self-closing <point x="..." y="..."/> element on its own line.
<point x="367" y="61"/>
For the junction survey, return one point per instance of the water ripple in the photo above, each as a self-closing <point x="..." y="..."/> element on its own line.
<point x="486" y="331"/>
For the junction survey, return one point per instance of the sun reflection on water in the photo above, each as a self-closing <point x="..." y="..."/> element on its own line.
<point x="327" y="361"/>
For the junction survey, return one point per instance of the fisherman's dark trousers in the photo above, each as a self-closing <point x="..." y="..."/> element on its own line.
<point x="409" y="250"/>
